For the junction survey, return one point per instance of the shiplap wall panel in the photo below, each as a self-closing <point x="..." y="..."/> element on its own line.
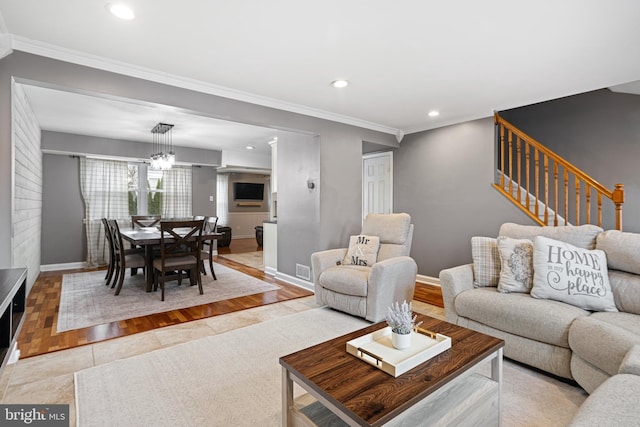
<point x="27" y="190"/>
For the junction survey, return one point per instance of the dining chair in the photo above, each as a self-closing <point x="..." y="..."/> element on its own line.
<point x="209" y="226"/>
<point x="141" y="221"/>
<point x="123" y="260"/>
<point x="112" y="257"/>
<point x="180" y="248"/>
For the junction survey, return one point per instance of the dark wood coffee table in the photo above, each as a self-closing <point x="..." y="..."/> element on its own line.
<point x="446" y="389"/>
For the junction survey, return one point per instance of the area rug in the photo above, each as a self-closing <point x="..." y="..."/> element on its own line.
<point x="85" y="300"/>
<point x="252" y="259"/>
<point x="234" y="379"/>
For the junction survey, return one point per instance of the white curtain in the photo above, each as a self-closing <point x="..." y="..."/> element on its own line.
<point x="176" y="200"/>
<point x="103" y="184"/>
<point x="222" y="199"/>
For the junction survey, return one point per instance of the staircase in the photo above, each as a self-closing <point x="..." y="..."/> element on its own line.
<point x="546" y="187"/>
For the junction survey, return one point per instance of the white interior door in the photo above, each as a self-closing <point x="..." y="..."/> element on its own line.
<point x="377" y="181"/>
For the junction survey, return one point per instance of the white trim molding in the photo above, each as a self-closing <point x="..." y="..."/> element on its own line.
<point x="101" y="63"/>
<point x="67" y="266"/>
<point x="294" y="281"/>
<point x="5" y="45"/>
<point x="428" y="280"/>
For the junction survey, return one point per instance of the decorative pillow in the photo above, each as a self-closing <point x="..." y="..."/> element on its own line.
<point x="486" y="261"/>
<point x="363" y="250"/>
<point x="573" y="275"/>
<point x="516" y="264"/>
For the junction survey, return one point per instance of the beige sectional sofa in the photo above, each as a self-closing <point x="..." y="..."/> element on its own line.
<point x="591" y="347"/>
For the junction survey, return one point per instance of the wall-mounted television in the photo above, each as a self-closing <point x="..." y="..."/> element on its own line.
<point x="248" y="191"/>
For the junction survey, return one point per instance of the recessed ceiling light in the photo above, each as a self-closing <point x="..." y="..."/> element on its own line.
<point x="250" y="147"/>
<point x="434" y="113"/>
<point x="120" y="10"/>
<point x="340" y="83"/>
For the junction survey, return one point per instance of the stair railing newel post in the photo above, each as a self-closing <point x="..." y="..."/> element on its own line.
<point x="618" y="199"/>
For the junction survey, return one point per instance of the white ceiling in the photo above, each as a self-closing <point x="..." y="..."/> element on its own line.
<point x="82" y="114"/>
<point x="464" y="58"/>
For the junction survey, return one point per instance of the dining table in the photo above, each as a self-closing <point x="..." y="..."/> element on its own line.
<point x="149" y="237"/>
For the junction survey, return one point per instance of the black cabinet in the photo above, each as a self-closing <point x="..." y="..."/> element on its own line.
<point x="13" y="302"/>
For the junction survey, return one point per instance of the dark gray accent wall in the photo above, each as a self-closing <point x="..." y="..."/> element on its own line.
<point x="204" y="188"/>
<point x="63" y="233"/>
<point x="599" y="132"/>
<point x="443" y="178"/>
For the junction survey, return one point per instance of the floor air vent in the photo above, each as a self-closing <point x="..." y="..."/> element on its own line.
<point x="303" y="272"/>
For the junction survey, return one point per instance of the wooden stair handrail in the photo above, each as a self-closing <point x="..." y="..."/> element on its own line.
<point x="616" y="195"/>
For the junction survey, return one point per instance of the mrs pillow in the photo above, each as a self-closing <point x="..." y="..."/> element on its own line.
<point x="516" y="264"/>
<point x="363" y="250"/>
<point x="573" y="275"/>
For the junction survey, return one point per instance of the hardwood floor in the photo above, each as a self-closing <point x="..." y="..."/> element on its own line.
<point x="428" y="293"/>
<point x="39" y="336"/>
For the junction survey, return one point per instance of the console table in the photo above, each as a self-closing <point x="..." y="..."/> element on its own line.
<point x="13" y="302"/>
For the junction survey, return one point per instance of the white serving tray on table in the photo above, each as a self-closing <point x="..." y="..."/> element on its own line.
<point x="376" y="349"/>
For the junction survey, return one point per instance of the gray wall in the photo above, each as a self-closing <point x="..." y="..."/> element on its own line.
<point x="298" y="206"/>
<point x="340" y="145"/>
<point x="63" y="233"/>
<point x="204" y="187"/>
<point x="443" y="178"/>
<point x="599" y="132"/>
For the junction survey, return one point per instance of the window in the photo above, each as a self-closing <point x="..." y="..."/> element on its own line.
<point x="145" y="190"/>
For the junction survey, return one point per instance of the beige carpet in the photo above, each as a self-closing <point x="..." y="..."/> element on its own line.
<point x="85" y="300"/>
<point x="252" y="259"/>
<point x="234" y="379"/>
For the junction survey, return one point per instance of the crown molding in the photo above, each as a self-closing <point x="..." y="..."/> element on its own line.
<point x="5" y="45"/>
<point x="101" y="63"/>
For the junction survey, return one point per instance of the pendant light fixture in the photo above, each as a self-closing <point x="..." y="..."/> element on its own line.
<point x="163" y="157"/>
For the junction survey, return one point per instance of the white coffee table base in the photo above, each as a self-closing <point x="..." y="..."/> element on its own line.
<point x="472" y="399"/>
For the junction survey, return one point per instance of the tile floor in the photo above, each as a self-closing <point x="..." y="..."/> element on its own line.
<point x="49" y="379"/>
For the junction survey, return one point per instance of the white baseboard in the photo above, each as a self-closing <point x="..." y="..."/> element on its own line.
<point x="67" y="266"/>
<point x="428" y="280"/>
<point x="14" y="356"/>
<point x="294" y="281"/>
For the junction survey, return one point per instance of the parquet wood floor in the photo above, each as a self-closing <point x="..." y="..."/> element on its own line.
<point x="39" y="336"/>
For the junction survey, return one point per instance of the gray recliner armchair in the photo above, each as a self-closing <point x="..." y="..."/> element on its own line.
<point x="368" y="290"/>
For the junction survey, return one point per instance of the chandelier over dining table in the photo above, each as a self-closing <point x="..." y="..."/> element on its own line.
<point x="163" y="157"/>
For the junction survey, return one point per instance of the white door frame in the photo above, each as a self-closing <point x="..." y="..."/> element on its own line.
<point x="388" y="154"/>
